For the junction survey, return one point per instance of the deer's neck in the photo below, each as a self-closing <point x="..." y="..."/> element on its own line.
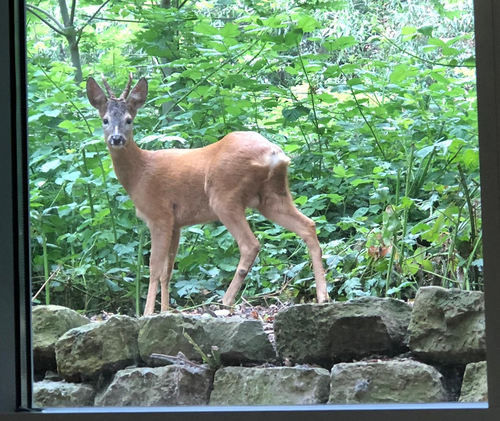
<point x="129" y="163"/>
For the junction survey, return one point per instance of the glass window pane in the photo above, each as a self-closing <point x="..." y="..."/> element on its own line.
<point x="382" y="102"/>
<point x="364" y="384"/>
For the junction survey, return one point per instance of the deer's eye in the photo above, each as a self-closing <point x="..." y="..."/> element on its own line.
<point x="105" y="121"/>
<point x="128" y="121"/>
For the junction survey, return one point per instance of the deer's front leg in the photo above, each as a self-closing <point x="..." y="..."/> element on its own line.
<point x="164" y="243"/>
<point x="169" y="265"/>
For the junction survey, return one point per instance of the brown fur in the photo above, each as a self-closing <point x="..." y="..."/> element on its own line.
<point x="173" y="188"/>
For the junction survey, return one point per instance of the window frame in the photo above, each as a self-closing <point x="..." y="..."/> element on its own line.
<point x="15" y="309"/>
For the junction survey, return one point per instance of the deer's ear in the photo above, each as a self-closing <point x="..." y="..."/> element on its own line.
<point x="138" y="95"/>
<point x="96" y="96"/>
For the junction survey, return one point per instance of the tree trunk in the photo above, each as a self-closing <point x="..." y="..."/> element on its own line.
<point x="71" y="37"/>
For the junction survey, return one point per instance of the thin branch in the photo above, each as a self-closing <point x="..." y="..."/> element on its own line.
<point x="470" y="207"/>
<point x="64" y="93"/>
<point x="30" y="6"/>
<point x="47" y="23"/>
<point x="117" y="20"/>
<point x="311" y="93"/>
<point x="160" y="66"/>
<point x="72" y="16"/>
<point x="52" y="275"/>
<point x="205" y="79"/>
<point x="365" y="119"/>
<point x="64" y="13"/>
<point x="80" y="31"/>
<point x="433" y="63"/>
<point x="58" y="29"/>
<point x="180" y="358"/>
<point x="254" y="57"/>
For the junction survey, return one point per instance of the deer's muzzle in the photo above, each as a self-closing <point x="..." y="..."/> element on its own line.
<point x="116" y="140"/>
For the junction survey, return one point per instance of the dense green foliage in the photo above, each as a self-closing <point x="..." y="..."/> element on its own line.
<point x="373" y="100"/>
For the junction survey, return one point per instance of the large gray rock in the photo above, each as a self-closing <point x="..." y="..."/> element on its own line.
<point x="448" y="326"/>
<point x="327" y="333"/>
<point x="238" y="340"/>
<point x="49" y="323"/>
<point x="98" y="348"/>
<point x="160" y="386"/>
<point x="386" y="382"/>
<point x="270" y="386"/>
<point x="475" y="384"/>
<point x="48" y="394"/>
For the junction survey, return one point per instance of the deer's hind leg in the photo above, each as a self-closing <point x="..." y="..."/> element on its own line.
<point x="229" y="197"/>
<point x="237" y="225"/>
<point x="277" y="205"/>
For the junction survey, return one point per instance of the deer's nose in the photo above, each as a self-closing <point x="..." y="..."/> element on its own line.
<point x="116" y="140"/>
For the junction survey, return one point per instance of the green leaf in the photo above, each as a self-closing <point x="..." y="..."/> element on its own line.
<point x="341" y="172"/>
<point x="406" y="202"/>
<point x="360" y="212"/>
<point x="229" y="30"/>
<point x="113" y="286"/>
<point x="335" y="198"/>
<point x="218" y="231"/>
<point x="327" y="98"/>
<point x="408" y="30"/>
<point x="360" y="181"/>
<point x="51" y="165"/>
<point x="340" y="43"/>
<point x="233" y="110"/>
<point x="123" y="249"/>
<point x="427" y="265"/>
<point x="293" y="114"/>
<point x="196" y="230"/>
<point x="426" y="30"/>
<point x="449" y="51"/>
<point x="68" y="176"/>
<point x="227" y="267"/>
<point x="293" y="37"/>
<point x="422" y="153"/>
<point x="308" y="23"/>
<point x="392" y="224"/>
<point x="103" y="213"/>
<point x="438" y="77"/>
<point x="355" y="81"/>
<point x="274" y="22"/>
<point x="205" y="29"/>
<point x="437" y="42"/>
<point x="301" y="200"/>
<point x="380" y="195"/>
<point x="399" y="73"/>
<point x="52" y="113"/>
<point x="186" y="261"/>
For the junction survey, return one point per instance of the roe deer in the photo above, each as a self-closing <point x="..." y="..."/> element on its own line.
<point x="172" y="188"/>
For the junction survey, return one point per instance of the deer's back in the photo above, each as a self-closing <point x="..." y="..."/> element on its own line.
<point x="241" y="160"/>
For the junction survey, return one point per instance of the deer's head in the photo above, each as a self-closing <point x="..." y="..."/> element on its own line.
<point x="117" y="114"/>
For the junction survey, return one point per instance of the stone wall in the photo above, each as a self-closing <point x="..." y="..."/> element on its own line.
<point x="369" y="350"/>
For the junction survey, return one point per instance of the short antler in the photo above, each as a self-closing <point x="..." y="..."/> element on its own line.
<point x="126" y="91"/>
<point x="111" y="94"/>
